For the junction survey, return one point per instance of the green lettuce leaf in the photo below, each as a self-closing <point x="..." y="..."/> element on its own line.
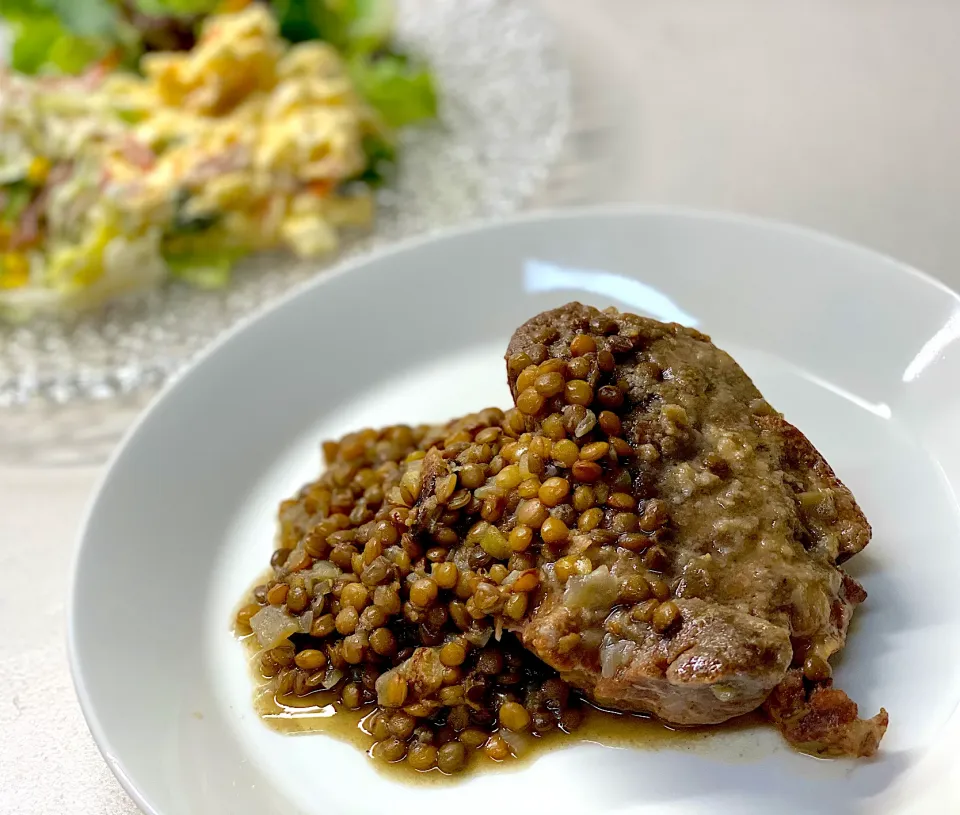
<point x="302" y="20"/>
<point x="370" y="25"/>
<point x="381" y="161"/>
<point x="353" y="26"/>
<point x="16" y="198"/>
<point x="24" y="7"/>
<point x="401" y="90"/>
<point x="203" y="269"/>
<point x="88" y="18"/>
<point x="70" y="54"/>
<point x="176" y="8"/>
<point x="33" y="37"/>
<point x="61" y="35"/>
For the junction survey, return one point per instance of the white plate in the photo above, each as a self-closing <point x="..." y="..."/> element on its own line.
<point x="857" y="350"/>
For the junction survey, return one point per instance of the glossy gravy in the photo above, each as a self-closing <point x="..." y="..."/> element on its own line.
<point x="320" y="713"/>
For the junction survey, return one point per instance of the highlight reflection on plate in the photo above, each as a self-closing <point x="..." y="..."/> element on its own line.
<point x="635" y="295"/>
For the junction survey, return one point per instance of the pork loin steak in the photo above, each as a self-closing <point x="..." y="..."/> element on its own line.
<point x="687" y="536"/>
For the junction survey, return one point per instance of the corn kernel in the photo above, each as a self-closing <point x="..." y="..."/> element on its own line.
<point x="38" y="171"/>
<point x="15" y="271"/>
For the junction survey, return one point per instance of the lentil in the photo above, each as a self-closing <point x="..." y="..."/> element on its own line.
<point x="586" y="471"/>
<point x="526" y="378"/>
<point x="472" y="738"/>
<point x="310" y="659"/>
<point x="552" y="427"/>
<point x="509" y="477"/>
<point x="387" y="598"/>
<point x="452" y="757"/>
<point x="453" y="653"/>
<point x="665" y="617"/>
<point x="445" y="575"/>
<point x="521" y="536"/>
<point x="578" y="368"/>
<point x="659" y="588"/>
<point x="422" y="757"/>
<point x="347" y="620"/>
<point x="516" y="364"/>
<point x="532" y="513"/>
<point x="516" y="606"/>
<point x="554" y="531"/>
<point x="610" y="396"/>
<point x="530" y="488"/>
<point x="644" y="611"/>
<point x="578" y="392"/>
<point x="606" y="361"/>
<point x="323" y="626"/>
<point x="584" y="498"/>
<point x="279" y="557"/>
<point x="514" y="716"/>
<point x="816" y="669"/>
<point x="496" y="748"/>
<point x="622" y="501"/>
<point x="566" y="452"/>
<point x="565" y="568"/>
<point x="356" y="595"/>
<point x="244" y="615"/>
<point x="498" y="571"/>
<point x="390" y="749"/>
<point x="405" y="588"/>
<point x="423" y="592"/>
<point x="383" y="642"/>
<point x="590" y="519"/>
<point x="550" y="384"/>
<point x="354" y="648"/>
<point x="595" y="451"/>
<point x="530" y="402"/>
<point x="350" y="696"/>
<point x="610" y="423"/>
<point x="553" y="491"/>
<point x="582" y="344"/>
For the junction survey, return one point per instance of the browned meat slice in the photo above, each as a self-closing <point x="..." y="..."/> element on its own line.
<point x="717" y="663"/>
<point x="817" y="718"/>
<point x="687" y="537"/>
<point x="755" y="522"/>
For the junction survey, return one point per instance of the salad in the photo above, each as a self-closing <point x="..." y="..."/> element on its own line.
<point x="269" y="130"/>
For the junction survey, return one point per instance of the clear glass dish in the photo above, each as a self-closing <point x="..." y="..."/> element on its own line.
<point x="68" y="387"/>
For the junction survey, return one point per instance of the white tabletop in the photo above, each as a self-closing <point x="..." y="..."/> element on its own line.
<point x="837" y="114"/>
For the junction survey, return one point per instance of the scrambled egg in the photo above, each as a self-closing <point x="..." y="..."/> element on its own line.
<point x="242" y="144"/>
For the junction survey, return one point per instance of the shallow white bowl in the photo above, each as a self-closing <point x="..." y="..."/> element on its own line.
<point x="859" y="351"/>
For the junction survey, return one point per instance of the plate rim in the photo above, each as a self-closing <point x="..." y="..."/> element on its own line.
<point x="586" y="212"/>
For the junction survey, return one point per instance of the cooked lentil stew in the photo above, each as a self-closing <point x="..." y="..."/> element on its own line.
<point x="405" y="576"/>
<point x="360" y="612"/>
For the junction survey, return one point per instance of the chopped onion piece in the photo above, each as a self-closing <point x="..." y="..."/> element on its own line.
<point x="306" y="622"/>
<point x="478" y="636"/>
<point x="272" y="626"/>
<point x="519" y="743"/>
<point x="334" y="675"/>
<point x="424" y="672"/>
<point x="595" y="590"/>
<point x="318" y="579"/>
<point x="614" y="654"/>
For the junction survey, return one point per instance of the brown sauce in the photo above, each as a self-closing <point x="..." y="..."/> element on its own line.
<point x="320" y="714"/>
